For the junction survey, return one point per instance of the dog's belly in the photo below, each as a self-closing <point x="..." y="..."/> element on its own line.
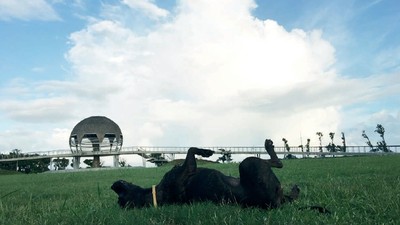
<point x="212" y="185"/>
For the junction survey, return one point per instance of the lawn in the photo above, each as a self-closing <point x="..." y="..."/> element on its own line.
<point x="358" y="190"/>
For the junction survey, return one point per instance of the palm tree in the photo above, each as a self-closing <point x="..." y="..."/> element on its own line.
<point x="364" y="135"/>
<point x="382" y="144"/>
<point x="331" y="146"/>
<point x="308" y="146"/>
<point x="286" y="144"/>
<point x="343" y="142"/>
<point x="287" y="147"/>
<point x="319" y="134"/>
<point x="332" y="135"/>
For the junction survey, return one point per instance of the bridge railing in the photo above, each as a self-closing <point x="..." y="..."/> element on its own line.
<point x="259" y="149"/>
<point x="312" y="150"/>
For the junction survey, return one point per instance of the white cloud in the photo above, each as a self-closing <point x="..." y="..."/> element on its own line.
<point x="148" y="7"/>
<point x="215" y="74"/>
<point x="27" y="10"/>
<point x="43" y="110"/>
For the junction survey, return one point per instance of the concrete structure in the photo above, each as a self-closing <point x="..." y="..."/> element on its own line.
<point x="95" y="136"/>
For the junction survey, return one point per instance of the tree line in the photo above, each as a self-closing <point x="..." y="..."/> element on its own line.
<point x="26" y="166"/>
<point x="36" y="165"/>
<point x="381" y="146"/>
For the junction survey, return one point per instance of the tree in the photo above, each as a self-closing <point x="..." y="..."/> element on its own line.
<point x="15" y="153"/>
<point x="8" y="165"/>
<point x="287" y="148"/>
<point x="27" y="166"/>
<point x="301" y="147"/>
<point x="88" y="162"/>
<point x="332" y="135"/>
<point x="34" y="165"/>
<point x="308" y="146"/>
<point x="381" y="144"/>
<point x="157" y="159"/>
<point x="319" y="134"/>
<point x="364" y="135"/>
<point x="286" y="145"/>
<point x="344" y="143"/>
<point x="331" y="146"/>
<point x="122" y="162"/>
<point x="60" y="164"/>
<point x="226" y="156"/>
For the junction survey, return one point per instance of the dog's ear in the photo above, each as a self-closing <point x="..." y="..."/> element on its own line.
<point x="129" y="195"/>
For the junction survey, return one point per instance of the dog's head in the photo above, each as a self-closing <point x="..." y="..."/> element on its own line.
<point x="129" y="195"/>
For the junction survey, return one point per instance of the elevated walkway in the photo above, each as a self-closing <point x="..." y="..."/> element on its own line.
<point x="245" y="150"/>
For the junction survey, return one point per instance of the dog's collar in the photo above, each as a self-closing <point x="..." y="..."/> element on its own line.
<point x="154" y="193"/>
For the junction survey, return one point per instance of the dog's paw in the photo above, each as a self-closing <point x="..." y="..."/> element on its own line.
<point x="268" y="143"/>
<point x="207" y="153"/>
<point x="201" y="151"/>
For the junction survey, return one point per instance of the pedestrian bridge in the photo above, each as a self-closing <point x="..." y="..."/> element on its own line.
<point x="164" y="150"/>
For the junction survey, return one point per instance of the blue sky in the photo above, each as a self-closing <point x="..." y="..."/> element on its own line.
<point x="199" y="73"/>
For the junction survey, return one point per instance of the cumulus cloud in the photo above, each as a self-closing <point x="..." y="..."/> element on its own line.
<point x="219" y="75"/>
<point x="148" y="7"/>
<point x="211" y="75"/>
<point x="27" y="10"/>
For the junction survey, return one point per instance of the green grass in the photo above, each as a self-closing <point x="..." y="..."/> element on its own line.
<point x="7" y="172"/>
<point x="358" y="190"/>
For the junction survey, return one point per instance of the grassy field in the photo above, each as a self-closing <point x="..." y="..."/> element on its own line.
<point x="358" y="190"/>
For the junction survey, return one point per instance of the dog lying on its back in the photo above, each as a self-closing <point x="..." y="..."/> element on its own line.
<point x="257" y="186"/>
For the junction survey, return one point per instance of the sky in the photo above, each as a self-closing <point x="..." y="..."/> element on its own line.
<point x="199" y="73"/>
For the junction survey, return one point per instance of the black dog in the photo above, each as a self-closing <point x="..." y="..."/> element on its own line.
<point x="257" y="186"/>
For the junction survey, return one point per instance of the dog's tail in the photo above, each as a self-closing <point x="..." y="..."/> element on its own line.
<point x="294" y="194"/>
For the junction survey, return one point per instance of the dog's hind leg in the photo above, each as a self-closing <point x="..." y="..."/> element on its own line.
<point x="261" y="185"/>
<point x="274" y="161"/>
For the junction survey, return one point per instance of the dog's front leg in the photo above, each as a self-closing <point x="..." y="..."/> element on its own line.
<point x="190" y="162"/>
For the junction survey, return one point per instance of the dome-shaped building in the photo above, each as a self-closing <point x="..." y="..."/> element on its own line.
<point x="96" y="135"/>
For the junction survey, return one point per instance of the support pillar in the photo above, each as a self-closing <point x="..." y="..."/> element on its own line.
<point x="76" y="161"/>
<point x="116" y="160"/>
<point x="144" y="161"/>
<point x="96" y="161"/>
<point x="51" y="164"/>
